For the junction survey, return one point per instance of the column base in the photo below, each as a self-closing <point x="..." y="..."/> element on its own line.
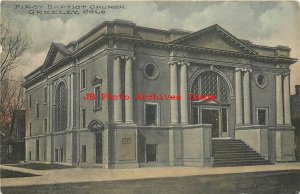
<point x="239" y="124"/>
<point x="129" y="122"/>
<point x="185" y="123"/>
<point x="125" y="165"/>
<point x="174" y="124"/>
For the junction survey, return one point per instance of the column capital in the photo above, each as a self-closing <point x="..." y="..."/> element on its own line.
<point x="277" y="73"/>
<point x="127" y="57"/>
<point x="123" y="56"/>
<point x="185" y="63"/>
<point x="246" y="70"/>
<point x="286" y="74"/>
<point x="173" y="63"/>
<point x="116" y="56"/>
<point x="179" y="63"/>
<point x="238" y="69"/>
<point x="130" y="57"/>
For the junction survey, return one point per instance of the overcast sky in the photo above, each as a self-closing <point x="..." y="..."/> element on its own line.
<point x="266" y="23"/>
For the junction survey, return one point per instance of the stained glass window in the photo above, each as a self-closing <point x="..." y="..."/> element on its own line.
<point x="211" y="83"/>
<point x="61" y="107"/>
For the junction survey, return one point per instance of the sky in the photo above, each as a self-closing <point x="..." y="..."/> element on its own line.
<point x="262" y="22"/>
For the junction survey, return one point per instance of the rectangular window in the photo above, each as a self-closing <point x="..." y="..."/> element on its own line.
<point x="97" y="101"/>
<point x="83" y="153"/>
<point x="29" y="101"/>
<point x="37" y="110"/>
<point x="83" y="79"/>
<point x="29" y="128"/>
<point x="83" y="112"/>
<point x="29" y="155"/>
<point x="45" y="95"/>
<point x="151" y="152"/>
<point x="262" y="116"/>
<point x="37" y="150"/>
<point x="56" y="155"/>
<point x="61" y="154"/>
<point x="45" y="125"/>
<point x="151" y="114"/>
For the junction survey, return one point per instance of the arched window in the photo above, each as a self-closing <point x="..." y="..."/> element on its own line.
<point x="61" y="109"/>
<point x="211" y="83"/>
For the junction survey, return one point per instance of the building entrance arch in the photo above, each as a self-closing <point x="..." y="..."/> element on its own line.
<point x="214" y="111"/>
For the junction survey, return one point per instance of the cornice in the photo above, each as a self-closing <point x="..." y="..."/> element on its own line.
<point x="105" y="38"/>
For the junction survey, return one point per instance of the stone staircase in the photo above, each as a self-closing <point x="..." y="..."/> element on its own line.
<point x="228" y="152"/>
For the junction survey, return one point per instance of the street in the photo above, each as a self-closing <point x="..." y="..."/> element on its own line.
<point x="281" y="182"/>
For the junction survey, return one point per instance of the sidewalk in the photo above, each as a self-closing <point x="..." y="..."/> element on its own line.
<point x="73" y="175"/>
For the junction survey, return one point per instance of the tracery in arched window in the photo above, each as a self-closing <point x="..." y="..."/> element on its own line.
<point x="61" y="109"/>
<point x="211" y="83"/>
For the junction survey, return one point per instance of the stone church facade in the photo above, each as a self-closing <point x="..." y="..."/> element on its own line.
<point x="250" y="83"/>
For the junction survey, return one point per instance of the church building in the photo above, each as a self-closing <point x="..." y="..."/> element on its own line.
<point x="247" y="122"/>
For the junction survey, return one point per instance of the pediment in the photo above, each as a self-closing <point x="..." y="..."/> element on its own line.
<point x="57" y="51"/>
<point x="214" y="37"/>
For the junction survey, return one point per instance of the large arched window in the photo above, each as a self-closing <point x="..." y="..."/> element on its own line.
<point x="61" y="109"/>
<point x="211" y="83"/>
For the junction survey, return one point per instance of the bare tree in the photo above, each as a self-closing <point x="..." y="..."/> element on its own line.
<point x="11" y="98"/>
<point x="13" y="44"/>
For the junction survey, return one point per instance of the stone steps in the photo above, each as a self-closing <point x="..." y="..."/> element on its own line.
<point x="227" y="152"/>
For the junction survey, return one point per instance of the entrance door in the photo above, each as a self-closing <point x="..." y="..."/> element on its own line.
<point x="99" y="156"/>
<point x="211" y="117"/>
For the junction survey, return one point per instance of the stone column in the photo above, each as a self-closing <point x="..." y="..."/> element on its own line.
<point x="246" y="95"/>
<point x="238" y="97"/>
<point x="117" y="89"/>
<point x="286" y="93"/>
<point x="183" y="93"/>
<point x="50" y="112"/>
<point x="128" y="91"/>
<point x="279" y="105"/>
<point x="72" y="100"/>
<point x="69" y="102"/>
<point x="173" y="91"/>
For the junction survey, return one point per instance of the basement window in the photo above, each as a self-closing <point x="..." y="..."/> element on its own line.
<point x="83" y="153"/>
<point x="151" y="152"/>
